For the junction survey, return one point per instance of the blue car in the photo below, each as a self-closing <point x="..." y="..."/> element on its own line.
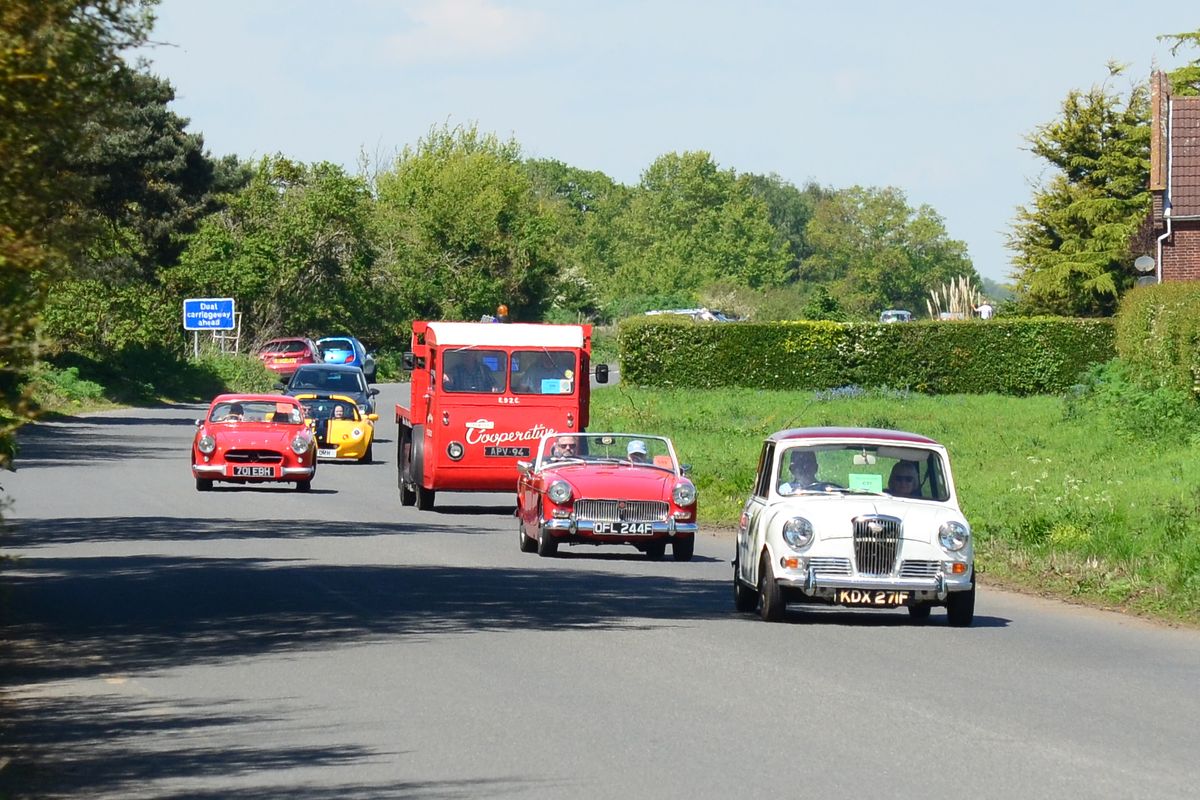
<point x="349" y="351"/>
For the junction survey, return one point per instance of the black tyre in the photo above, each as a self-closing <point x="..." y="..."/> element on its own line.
<point x="547" y="545"/>
<point x="920" y="612"/>
<point x="204" y="485"/>
<point x="303" y="486"/>
<point x="960" y="608"/>
<point x="368" y="454"/>
<point x="682" y="549"/>
<point x="408" y="495"/>
<point x="527" y="545"/>
<point x="770" y="597"/>
<point x="425" y="498"/>
<point x="656" y="550"/>
<point x="745" y="598"/>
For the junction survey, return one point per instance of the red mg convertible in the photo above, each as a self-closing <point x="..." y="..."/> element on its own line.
<point x="254" y="438"/>
<point x="606" y="488"/>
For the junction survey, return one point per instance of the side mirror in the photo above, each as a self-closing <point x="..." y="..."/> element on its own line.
<point x="408" y="361"/>
<point x="372" y="391"/>
<point x="686" y="469"/>
<point x="602" y="373"/>
<point x="524" y="467"/>
<point x="282" y="387"/>
<point x="199" y="422"/>
<point x="373" y="417"/>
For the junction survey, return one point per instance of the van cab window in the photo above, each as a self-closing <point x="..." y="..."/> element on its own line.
<point x="473" y="370"/>
<point x="543" y="372"/>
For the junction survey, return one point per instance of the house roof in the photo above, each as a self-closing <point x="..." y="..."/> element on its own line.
<point x="1184" y="168"/>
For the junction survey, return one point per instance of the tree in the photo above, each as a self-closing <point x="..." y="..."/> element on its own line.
<point x="460" y="230"/>
<point x="1072" y="243"/>
<point x="293" y="248"/>
<point x="789" y="210"/>
<point x="873" y="251"/>
<point x="1186" y="79"/>
<point x="690" y="224"/>
<point x="148" y="183"/>
<point x="59" y="66"/>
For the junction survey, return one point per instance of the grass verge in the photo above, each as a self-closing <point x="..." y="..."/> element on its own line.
<point x="1061" y="501"/>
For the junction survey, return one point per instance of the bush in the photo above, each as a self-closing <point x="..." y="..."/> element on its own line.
<point x="54" y="388"/>
<point x="1015" y="357"/>
<point x="1110" y="394"/>
<point x="1158" y="335"/>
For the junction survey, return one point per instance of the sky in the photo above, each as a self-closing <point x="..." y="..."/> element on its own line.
<point x="935" y="98"/>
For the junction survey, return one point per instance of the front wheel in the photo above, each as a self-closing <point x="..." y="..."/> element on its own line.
<point x="425" y="498"/>
<point x="682" y="549"/>
<point x="656" y="550"/>
<point x="960" y="608"/>
<point x="770" y="596"/>
<point x="368" y="454"/>
<point x="919" y="612"/>
<point x="408" y="495"/>
<point x="303" y="486"/>
<point x="204" y="485"/>
<point x="546" y="544"/>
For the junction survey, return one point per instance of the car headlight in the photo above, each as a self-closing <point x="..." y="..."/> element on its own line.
<point x="206" y="444"/>
<point x="455" y="450"/>
<point x="559" y="492"/>
<point x="954" y="535"/>
<point x="300" y="445"/>
<point x="798" y="533"/>
<point x="684" y="494"/>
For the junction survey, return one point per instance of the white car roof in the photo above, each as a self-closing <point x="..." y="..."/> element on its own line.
<point x="500" y="334"/>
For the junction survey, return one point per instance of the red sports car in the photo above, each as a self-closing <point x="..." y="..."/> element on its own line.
<point x="284" y="356"/>
<point x="606" y="488"/>
<point x="254" y="438"/>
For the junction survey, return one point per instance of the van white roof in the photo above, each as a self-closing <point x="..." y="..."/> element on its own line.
<point x="500" y="334"/>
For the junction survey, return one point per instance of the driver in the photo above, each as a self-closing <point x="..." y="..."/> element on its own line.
<point x="235" y="413"/>
<point x="565" y="447"/>
<point x="802" y="471"/>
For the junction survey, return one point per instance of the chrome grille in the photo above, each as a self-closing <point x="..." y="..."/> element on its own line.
<point x="920" y="569"/>
<point x="621" y="510"/>
<point x="255" y="456"/>
<point x="830" y="566"/>
<point x="876" y="543"/>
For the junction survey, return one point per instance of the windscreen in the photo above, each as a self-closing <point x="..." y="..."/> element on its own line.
<point x="900" y="471"/>
<point x="542" y="372"/>
<point x="255" y="411"/>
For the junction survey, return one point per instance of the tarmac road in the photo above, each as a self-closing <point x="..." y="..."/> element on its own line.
<point x="260" y="643"/>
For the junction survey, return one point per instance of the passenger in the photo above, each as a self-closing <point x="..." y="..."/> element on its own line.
<point x="637" y="452"/>
<point x="339" y="411"/>
<point x="903" y="480"/>
<point x="802" y="471"/>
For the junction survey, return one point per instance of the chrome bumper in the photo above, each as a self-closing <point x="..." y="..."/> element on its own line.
<point x="305" y="471"/>
<point x="577" y="526"/>
<point x="940" y="585"/>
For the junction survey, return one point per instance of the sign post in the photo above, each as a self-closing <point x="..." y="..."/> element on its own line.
<point x="207" y="314"/>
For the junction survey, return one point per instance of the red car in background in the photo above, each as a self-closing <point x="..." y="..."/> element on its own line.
<point x="284" y="356"/>
<point x="606" y="488"/>
<point x="254" y="438"/>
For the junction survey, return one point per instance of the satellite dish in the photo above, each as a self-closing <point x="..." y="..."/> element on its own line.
<point x="1144" y="263"/>
<point x="1146" y="280"/>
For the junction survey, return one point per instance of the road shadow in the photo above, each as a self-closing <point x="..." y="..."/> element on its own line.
<point x="115" y="745"/>
<point x="800" y="614"/>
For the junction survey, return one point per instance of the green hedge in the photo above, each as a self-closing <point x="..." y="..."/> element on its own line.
<point x="1009" y="356"/>
<point x="1158" y="335"/>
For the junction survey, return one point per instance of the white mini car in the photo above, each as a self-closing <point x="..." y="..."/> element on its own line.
<point x="854" y="517"/>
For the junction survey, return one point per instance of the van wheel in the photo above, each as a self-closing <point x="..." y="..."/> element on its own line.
<point x="770" y="597"/>
<point x="408" y="496"/>
<point x="425" y="498"/>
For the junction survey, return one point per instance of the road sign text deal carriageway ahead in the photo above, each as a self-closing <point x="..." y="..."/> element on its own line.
<point x="208" y="314"/>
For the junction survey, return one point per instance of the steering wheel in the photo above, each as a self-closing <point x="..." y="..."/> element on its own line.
<point x="822" y="486"/>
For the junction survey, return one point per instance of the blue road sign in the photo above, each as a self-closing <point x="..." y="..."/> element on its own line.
<point x="208" y="314"/>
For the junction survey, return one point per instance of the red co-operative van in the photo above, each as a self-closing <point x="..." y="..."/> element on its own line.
<point x="482" y="395"/>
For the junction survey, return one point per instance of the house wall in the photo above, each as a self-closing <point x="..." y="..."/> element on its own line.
<point x="1181" y="252"/>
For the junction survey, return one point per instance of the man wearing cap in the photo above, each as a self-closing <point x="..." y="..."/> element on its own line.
<point x="637" y="452"/>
